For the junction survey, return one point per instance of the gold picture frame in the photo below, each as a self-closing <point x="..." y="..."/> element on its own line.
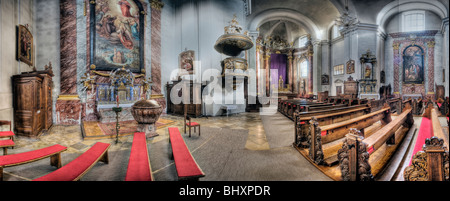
<point x="25" y="45"/>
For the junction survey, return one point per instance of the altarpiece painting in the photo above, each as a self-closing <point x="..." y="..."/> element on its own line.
<point x="117" y="35"/>
<point x="413" y="65"/>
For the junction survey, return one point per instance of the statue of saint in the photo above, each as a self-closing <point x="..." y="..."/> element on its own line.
<point x="281" y="82"/>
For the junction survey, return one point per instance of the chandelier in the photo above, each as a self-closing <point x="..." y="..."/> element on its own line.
<point x="345" y="21"/>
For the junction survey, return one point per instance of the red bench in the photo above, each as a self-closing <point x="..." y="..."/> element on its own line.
<point x="187" y="168"/>
<point x="6" y="134"/>
<point x="5" y="144"/>
<point x="74" y="170"/>
<point x="139" y="168"/>
<point x="27" y="157"/>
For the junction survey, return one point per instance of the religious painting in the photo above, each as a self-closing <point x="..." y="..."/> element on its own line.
<point x="350" y="67"/>
<point x="25" y="46"/>
<point x="325" y="80"/>
<point x="186" y="62"/>
<point x="413" y="70"/>
<point x="117" y="37"/>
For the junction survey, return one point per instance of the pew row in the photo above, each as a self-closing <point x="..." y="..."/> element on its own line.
<point x="77" y="168"/>
<point x="355" y="152"/>
<point x="332" y="132"/>
<point x="322" y="118"/>
<point x="54" y="152"/>
<point x="139" y="168"/>
<point x="186" y="166"/>
<point x="432" y="161"/>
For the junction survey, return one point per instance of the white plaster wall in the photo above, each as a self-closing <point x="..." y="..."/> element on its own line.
<point x="47" y="38"/>
<point x="338" y="55"/>
<point x="196" y="25"/>
<point x="12" y="13"/>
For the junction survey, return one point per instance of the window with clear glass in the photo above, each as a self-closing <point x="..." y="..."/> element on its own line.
<point x="302" y="41"/>
<point x="304" y="68"/>
<point x="413" y="21"/>
<point x="335" y="32"/>
<point x="339" y="70"/>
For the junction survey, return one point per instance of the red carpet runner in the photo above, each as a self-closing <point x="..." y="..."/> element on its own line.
<point x="425" y="131"/>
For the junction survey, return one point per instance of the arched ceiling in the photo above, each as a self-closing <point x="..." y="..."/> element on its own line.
<point x="321" y="12"/>
<point x="300" y="17"/>
<point x="316" y="16"/>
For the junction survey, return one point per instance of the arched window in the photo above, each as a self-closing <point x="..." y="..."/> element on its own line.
<point x="413" y="21"/>
<point x="302" y="41"/>
<point x="335" y="32"/>
<point x="304" y="69"/>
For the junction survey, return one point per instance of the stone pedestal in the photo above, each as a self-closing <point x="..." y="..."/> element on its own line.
<point x="148" y="129"/>
<point x="146" y="113"/>
<point x="68" y="110"/>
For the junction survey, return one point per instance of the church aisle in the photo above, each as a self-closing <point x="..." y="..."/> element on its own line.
<point x="222" y="151"/>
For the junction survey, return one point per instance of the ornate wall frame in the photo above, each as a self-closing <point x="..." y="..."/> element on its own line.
<point x="25" y="45"/>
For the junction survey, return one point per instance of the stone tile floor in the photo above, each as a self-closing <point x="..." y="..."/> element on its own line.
<point x="71" y="137"/>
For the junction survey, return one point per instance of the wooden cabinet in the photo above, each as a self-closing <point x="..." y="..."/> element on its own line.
<point x="32" y="103"/>
<point x="195" y="90"/>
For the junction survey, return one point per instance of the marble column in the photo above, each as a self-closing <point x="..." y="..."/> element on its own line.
<point x="431" y="81"/>
<point x="68" y="104"/>
<point x="156" y="7"/>
<point x="310" y="55"/>
<point x="290" y="70"/>
<point x="396" y="47"/>
<point x="267" y="69"/>
<point x="258" y="70"/>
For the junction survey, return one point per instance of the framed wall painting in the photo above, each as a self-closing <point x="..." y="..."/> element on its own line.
<point x="350" y="67"/>
<point x="325" y="80"/>
<point x="25" y="47"/>
<point x="186" y="61"/>
<point x="117" y="35"/>
<point x="413" y="68"/>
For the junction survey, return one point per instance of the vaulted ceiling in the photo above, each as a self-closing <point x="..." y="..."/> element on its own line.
<point x="315" y="16"/>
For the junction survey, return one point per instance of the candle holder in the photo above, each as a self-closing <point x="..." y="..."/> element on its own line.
<point x="117" y="110"/>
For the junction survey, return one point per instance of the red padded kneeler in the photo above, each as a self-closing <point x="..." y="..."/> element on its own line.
<point x="139" y="168"/>
<point x="184" y="162"/>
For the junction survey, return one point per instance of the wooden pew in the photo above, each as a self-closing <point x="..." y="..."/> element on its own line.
<point x="296" y="107"/>
<point x="74" y="170"/>
<point x="302" y="120"/>
<point x="443" y="106"/>
<point x="430" y="164"/>
<point x="288" y="107"/>
<point x="187" y="168"/>
<point x="434" y="154"/>
<point x="396" y="105"/>
<point x="139" y="168"/>
<point x="319" y="135"/>
<point x="356" y="150"/>
<point x="54" y="152"/>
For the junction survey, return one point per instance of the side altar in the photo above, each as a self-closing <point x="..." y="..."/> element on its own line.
<point x="118" y="88"/>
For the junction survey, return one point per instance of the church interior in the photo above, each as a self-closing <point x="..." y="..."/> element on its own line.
<point x="213" y="90"/>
